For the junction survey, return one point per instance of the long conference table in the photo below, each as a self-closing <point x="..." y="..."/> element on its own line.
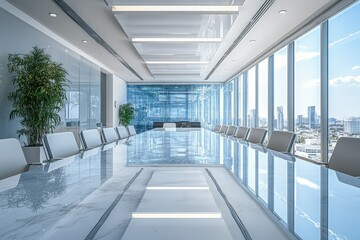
<point x="309" y="200"/>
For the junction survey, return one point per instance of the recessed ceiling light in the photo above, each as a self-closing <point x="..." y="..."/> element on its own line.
<point x="53" y="14"/>
<point x="252" y="41"/>
<point x="199" y="40"/>
<point x="172" y="9"/>
<point x="84" y="41"/>
<point x="282" y="11"/>
<point x="66" y="50"/>
<point x="176" y="62"/>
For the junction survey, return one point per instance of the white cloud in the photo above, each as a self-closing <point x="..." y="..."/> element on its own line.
<point x="351" y="35"/>
<point x="305" y="56"/>
<point x="354" y="80"/>
<point x="307" y="183"/>
<point x="355" y="67"/>
<point x="313" y="83"/>
<point x="303" y="47"/>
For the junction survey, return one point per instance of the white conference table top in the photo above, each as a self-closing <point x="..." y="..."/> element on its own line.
<point x="310" y="200"/>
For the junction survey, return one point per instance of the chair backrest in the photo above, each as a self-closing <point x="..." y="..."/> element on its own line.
<point x="109" y="135"/>
<point x="256" y="135"/>
<point x="223" y="129"/>
<point x="60" y="145"/>
<point x="91" y="138"/>
<point x="242" y="132"/>
<point x="12" y="159"/>
<point x="169" y="125"/>
<point x="346" y="156"/>
<point x="231" y="131"/>
<point x="216" y="128"/>
<point x="131" y="130"/>
<point x="158" y="124"/>
<point x="281" y="141"/>
<point x="195" y="124"/>
<point x="123" y="133"/>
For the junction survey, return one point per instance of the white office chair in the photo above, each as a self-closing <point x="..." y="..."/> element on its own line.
<point x="12" y="159"/>
<point x="242" y="132"/>
<point x="169" y="125"/>
<point x="281" y="141"/>
<point x="216" y="128"/>
<point x="223" y="129"/>
<point x="90" y="138"/>
<point x="346" y="156"/>
<point x="231" y="131"/>
<point x="60" y="145"/>
<point x="131" y="130"/>
<point x="123" y="133"/>
<point x="109" y="135"/>
<point x="256" y="135"/>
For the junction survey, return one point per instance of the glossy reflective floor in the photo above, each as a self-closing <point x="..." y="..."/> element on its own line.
<point x="96" y="194"/>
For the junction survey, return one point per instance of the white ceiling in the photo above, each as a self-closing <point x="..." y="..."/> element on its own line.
<point x="117" y="30"/>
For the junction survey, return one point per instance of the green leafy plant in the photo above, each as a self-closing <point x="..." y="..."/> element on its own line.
<point x="39" y="93"/>
<point x="126" y="114"/>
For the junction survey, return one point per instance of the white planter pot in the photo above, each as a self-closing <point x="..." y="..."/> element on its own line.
<point x="34" y="155"/>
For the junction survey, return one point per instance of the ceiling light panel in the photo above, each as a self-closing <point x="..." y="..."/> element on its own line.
<point x="177" y="9"/>
<point x="177" y="2"/>
<point x="178" y="36"/>
<point x="177" y="40"/>
<point x="177" y="62"/>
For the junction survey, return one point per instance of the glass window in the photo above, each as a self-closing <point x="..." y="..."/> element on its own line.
<point x="344" y="75"/>
<point x="263" y="176"/>
<point x="280" y="188"/>
<point x="307" y="95"/>
<point x="280" y="89"/>
<point x="263" y="93"/>
<point x="251" y="97"/>
<point x="241" y="100"/>
<point x="229" y="108"/>
<point x="307" y="200"/>
<point x="174" y="103"/>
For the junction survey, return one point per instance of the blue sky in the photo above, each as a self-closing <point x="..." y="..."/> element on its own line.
<point x="344" y="68"/>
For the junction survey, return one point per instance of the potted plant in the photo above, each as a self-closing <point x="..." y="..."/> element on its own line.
<point x="126" y="114"/>
<point x="39" y="95"/>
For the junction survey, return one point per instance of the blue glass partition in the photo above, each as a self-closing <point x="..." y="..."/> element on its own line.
<point x="174" y="103"/>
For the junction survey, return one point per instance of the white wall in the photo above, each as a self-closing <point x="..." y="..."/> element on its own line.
<point x="115" y="96"/>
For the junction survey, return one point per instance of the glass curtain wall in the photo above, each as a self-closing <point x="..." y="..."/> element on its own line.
<point x="82" y="109"/>
<point x="251" y="98"/>
<point x="174" y="103"/>
<point x="280" y="89"/>
<point x="241" y="95"/>
<point x="229" y="103"/>
<point x="307" y="95"/>
<point x="263" y="76"/>
<point x="344" y="75"/>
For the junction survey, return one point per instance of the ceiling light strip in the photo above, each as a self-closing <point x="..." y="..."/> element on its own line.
<point x="177" y="40"/>
<point x="177" y="62"/>
<point x="250" y="25"/>
<point x="176" y="9"/>
<point x="178" y="215"/>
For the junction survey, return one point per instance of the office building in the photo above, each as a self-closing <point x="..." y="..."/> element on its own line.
<point x="280" y="118"/>
<point x="311" y="117"/>
<point x="352" y="125"/>
<point x="180" y="119"/>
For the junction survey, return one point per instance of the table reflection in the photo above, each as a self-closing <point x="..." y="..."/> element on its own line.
<point x="310" y="200"/>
